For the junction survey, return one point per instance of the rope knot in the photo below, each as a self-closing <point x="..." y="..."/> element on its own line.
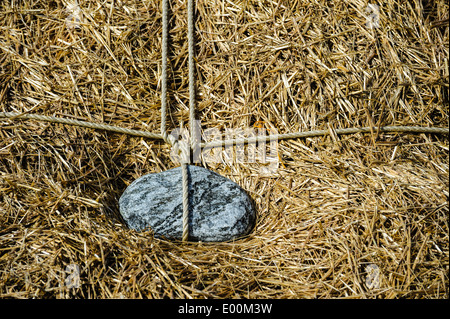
<point x="169" y="139"/>
<point x="180" y="150"/>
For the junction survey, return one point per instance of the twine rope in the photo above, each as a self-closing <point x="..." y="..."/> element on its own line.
<point x="316" y="133"/>
<point x="191" y="43"/>
<point x="184" y="175"/>
<point x="184" y="165"/>
<point x="164" y="48"/>
<point x="249" y="140"/>
<point x="185" y="156"/>
<point x="67" y="121"/>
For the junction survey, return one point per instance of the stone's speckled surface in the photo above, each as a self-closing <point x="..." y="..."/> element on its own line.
<point x="220" y="209"/>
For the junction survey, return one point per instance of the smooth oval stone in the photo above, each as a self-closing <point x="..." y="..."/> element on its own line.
<point x="219" y="209"/>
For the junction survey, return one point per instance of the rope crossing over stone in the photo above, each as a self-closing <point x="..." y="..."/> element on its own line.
<point x="184" y="148"/>
<point x="191" y="39"/>
<point x="185" y="153"/>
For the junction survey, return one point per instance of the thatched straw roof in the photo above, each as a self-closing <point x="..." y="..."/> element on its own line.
<point x="357" y="216"/>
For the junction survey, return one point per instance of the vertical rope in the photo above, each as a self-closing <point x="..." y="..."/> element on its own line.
<point x="184" y="165"/>
<point x="169" y="139"/>
<point x="191" y="43"/>
<point x="184" y="172"/>
<point x="165" y="38"/>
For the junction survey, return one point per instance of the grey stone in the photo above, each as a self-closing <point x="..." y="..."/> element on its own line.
<point x="220" y="210"/>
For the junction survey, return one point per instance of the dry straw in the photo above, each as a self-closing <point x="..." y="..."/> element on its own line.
<point x="344" y="216"/>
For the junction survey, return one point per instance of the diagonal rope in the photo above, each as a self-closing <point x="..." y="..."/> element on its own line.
<point x="96" y="126"/>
